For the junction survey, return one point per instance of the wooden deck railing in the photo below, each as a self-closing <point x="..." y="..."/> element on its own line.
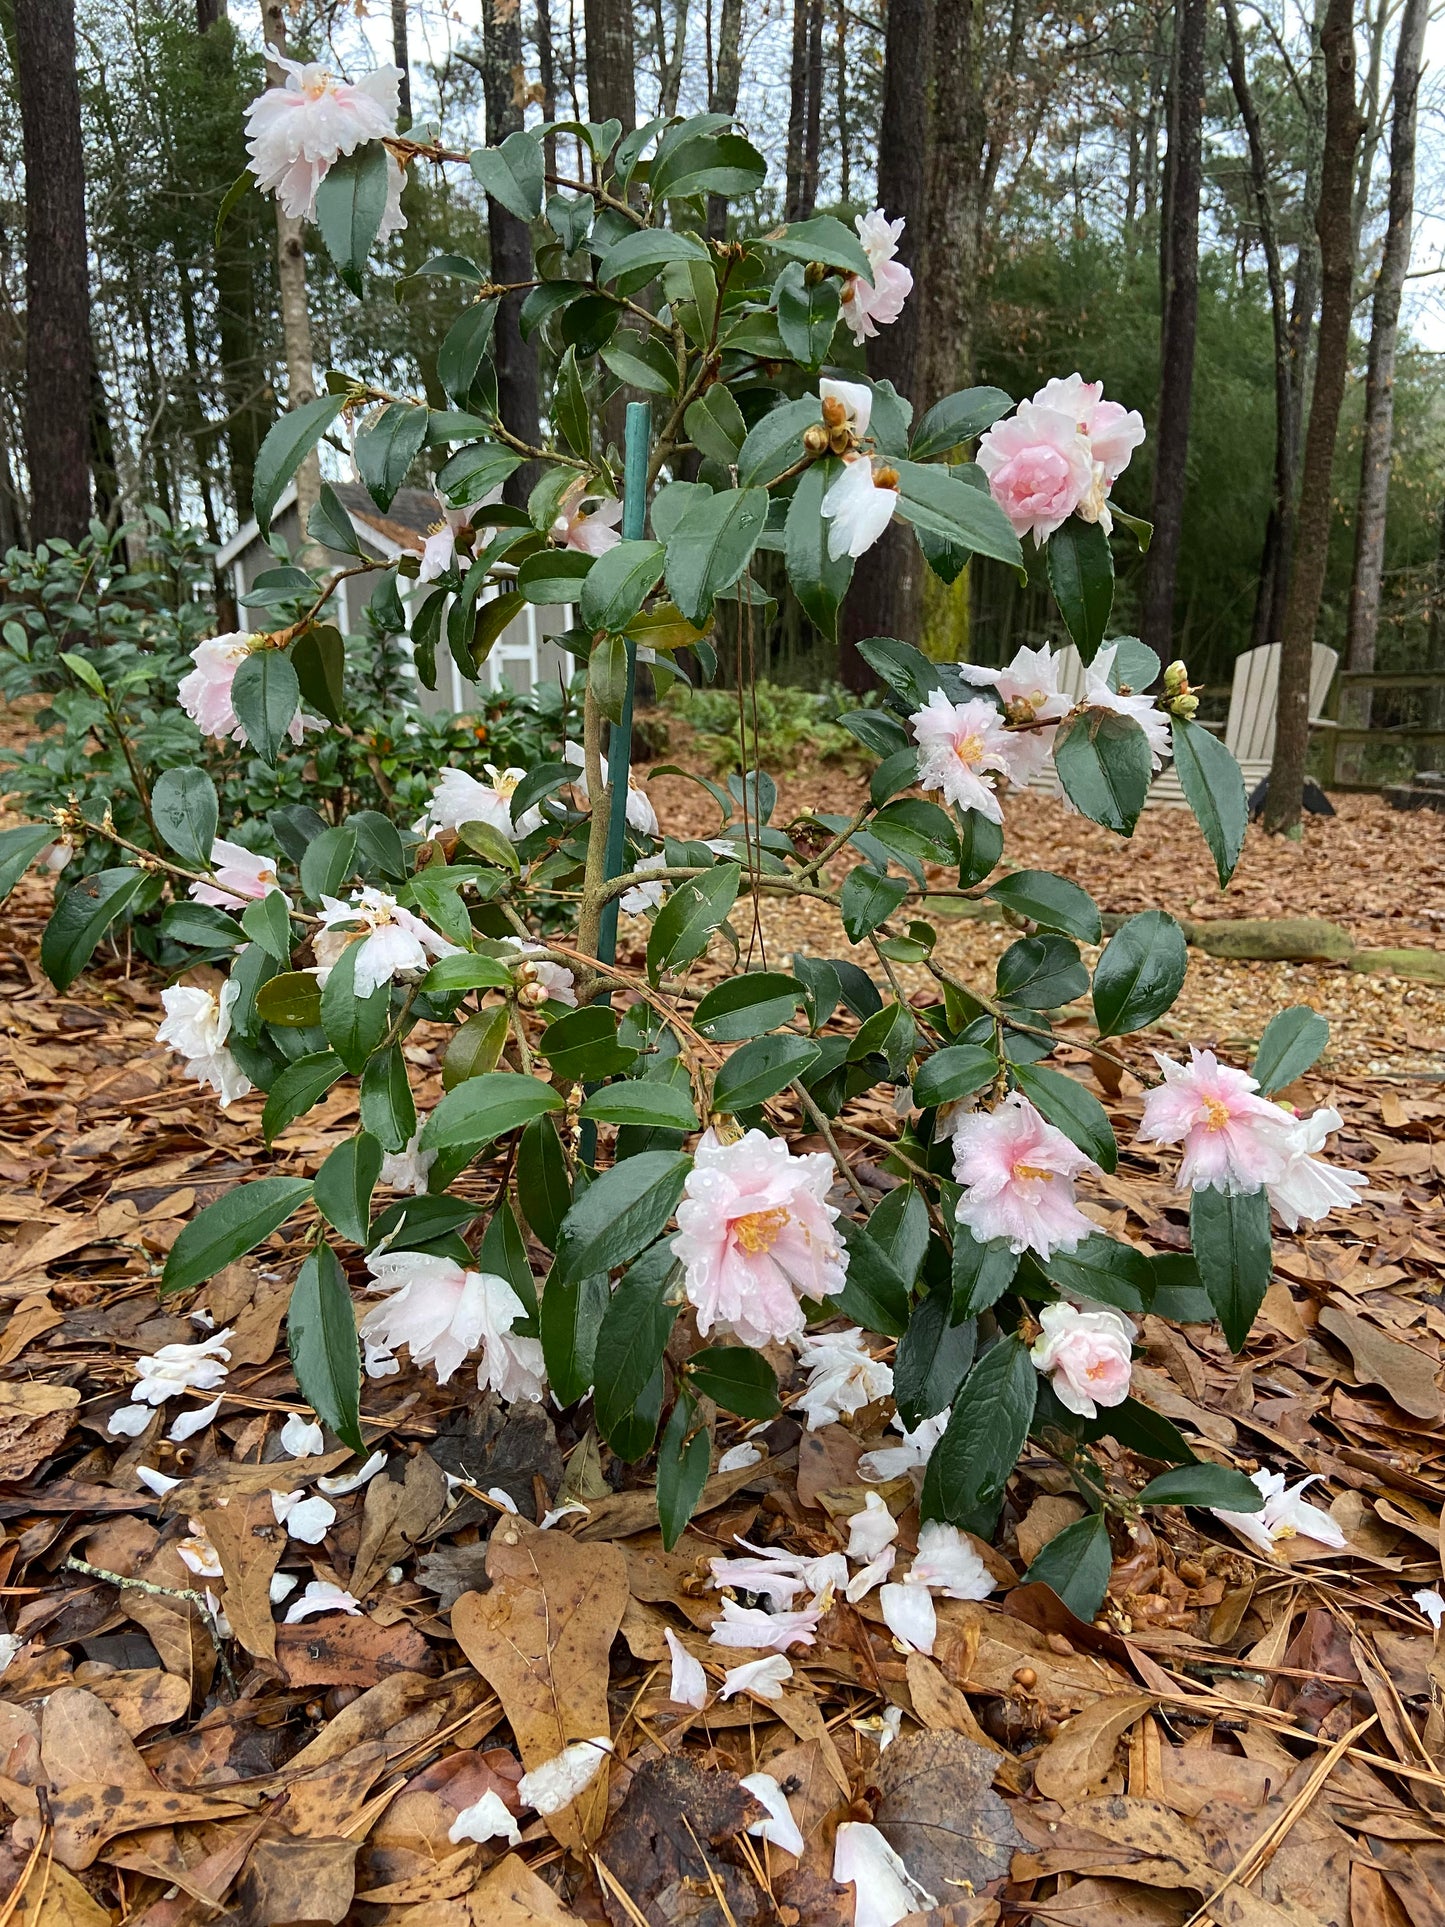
<point x="1339" y="731"/>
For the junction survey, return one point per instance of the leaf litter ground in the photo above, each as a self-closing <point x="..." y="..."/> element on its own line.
<point x="1236" y="1740"/>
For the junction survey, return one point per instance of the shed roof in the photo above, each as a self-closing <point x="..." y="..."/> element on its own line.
<point x="405" y="525"/>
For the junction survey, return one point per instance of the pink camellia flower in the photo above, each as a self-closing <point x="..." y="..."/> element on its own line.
<point x="755" y="1234"/>
<point x="1310" y="1189"/>
<point x="241" y="877"/>
<point x="1113" y="431"/>
<point x="1029" y="690"/>
<point x="869" y="305"/>
<point x="1039" y="468"/>
<point x="1285" y="1515"/>
<point x="594" y="531"/>
<point x="444" y="1313"/>
<point x="860" y="505"/>
<point x="751" y="1626"/>
<point x="1086" y="1354"/>
<point x="393" y="941"/>
<point x="205" y="694"/>
<point x="1233" y="1140"/>
<point x="1018" y="1175"/>
<point x="959" y="744"/>
<point x="296" y="132"/>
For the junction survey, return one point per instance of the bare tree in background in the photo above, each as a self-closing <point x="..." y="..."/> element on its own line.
<point x="954" y="186"/>
<point x="1179" y="320"/>
<point x="611" y="61"/>
<point x="401" y="54"/>
<point x="727" y="77"/>
<point x="295" y="316"/>
<point x="1334" y="223"/>
<point x="670" y="65"/>
<point x="1364" y="619"/>
<point x="58" y="394"/>
<point x="547" y="76"/>
<point x="518" y="392"/>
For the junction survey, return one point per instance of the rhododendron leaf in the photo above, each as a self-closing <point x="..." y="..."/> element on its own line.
<point x="1140" y="973"/>
<point x="222" y="1232"/>
<point x="487" y="1107"/>
<point x="1105" y="1270"/>
<point x="899" y="1228"/>
<point x="874" y="1294"/>
<point x="982" y="1273"/>
<point x="645" y="362"/>
<point x="201" y="926"/>
<point x="1292" y="1040"/>
<point x="682" y="1468"/>
<point x="512" y="174"/>
<point x="584" y="1044"/>
<point x="1064" y="1101"/>
<point x="350" y="204"/>
<point x="633" y="1336"/>
<point x="1081" y="575"/>
<point x="385" y="449"/>
<point x="388" y="1109"/>
<point x="1105" y="765"/>
<point x="186" y="812"/>
<point x="867" y="899"/>
<point x="544" y="1189"/>
<point x="474" y="471"/>
<point x="620" y="1213"/>
<point x="971" y="1463"/>
<point x="328" y="862"/>
<point x="300" y="1086"/>
<point x="321" y="1335"/>
<point x="318" y="656"/>
<point x="644" y="1101"/>
<point x="691" y="914"/>
<point x="569" y="1319"/>
<point x="1204" y="1484"/>
<point x="760" y="1070"/>
<point x="715" y="426"/>
<point x="475" y="1047"/>
<point x="1052" y="902"/>
<point x="953" y="1072"/>
<point x="345" y="1183"/>
<point x="1213" y="787"/>
<point x="938" y="504"/>
<point x="775" y="441"/>
<point x="80" y="920"/>
<point x="1076" y="1564"/>
<point x="1041" y="973"/>
<point x="1231" y="1243"/>
<point x="747" y="1006"/>
<point x="265" y="696"/>
<point x="933" y="1358"/>
<point x="288" y="441"/>
<point x="957" y="418"/>
<point x="739" y="1380"/>
<point x="460" y="354"/>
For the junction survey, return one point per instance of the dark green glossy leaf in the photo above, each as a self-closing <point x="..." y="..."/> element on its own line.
<point x="1140" y="973"/>
<point x="1292" y="1041"/>
<point x="1214" y="789"/>
<point x="933" y="1358"/>
<point x="1232" y="1248"/>
<point x="736" y="1378"/>
<point x="1076" y="1564"/>
<point x="345" y="1183"/>
<point x="621" y="1213"/>
<point x="1081" y="575"/>
<point x="81" y="919"/>
<point x="325" y="1355"/>
<point x="236" y="1223"/>
<point x="971" y="1463"/>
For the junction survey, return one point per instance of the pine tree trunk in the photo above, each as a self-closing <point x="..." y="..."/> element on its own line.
<point x="887" y="593"/>
<point x="727" y="78"/>
<point x="813" y="128"/>
<point x="840" y="84"/>
<point x="1179" y="271"/>
<point x="518" y="392"/>
<point x="953" y="186"/>
<point x="58" y="396"/>
<point x="295" y="316"/>
<point x="1364" y="619"/>
<point x="401" y="54"/>
<point x="547" y="75"/>
<point x="797" y="114"/>
<point x="611" y="59"/>
<point x="1335" y="226"/>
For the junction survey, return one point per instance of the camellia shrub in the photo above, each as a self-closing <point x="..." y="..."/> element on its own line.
<point x="642" y="1130"/>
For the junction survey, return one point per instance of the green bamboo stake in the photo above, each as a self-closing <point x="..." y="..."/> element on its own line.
<point x="619" y="752"/>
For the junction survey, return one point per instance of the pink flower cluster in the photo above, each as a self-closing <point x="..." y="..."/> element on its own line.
<point x="1058" y="455"/>
<point x="296" y="132"/>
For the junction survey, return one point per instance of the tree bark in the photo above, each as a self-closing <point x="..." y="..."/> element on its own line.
<point x="1179" y="273"/>
<point x="611" y="58"/>
<point x="295" y="317"/>
<point x="813" y="129"/>
<point x="58" y="395"/>
<point x="1335" y="226"/>
<point x="887" y="593"/>
<point x="208" y="13"/>
<point x="670" y="64"/>
<point x="547" y="75"/>
<point x="401" y="54"/>
<point x="1280" y="529"/>
<point x="840" y="71"/>
<point x="794" y="188"/>
<point x="952" y="188"/>
<point x="518" y="392"/>
<point x="1384" y="334"/>
<point x="727" y="78"/>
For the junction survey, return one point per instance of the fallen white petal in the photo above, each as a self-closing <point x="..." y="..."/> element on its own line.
<point x="500" y="1496"/>
<point x="129" y="1421"/>
<point x="189" y="1423"/>
<point x="1431" y="1604"/>
<point x="344" y="1482"/>
<point x="321" y="1597"/>
<point x="885" y="1890"/>
<point x="10" y="1644"/>
<point x="909" y="1615"/>
<point x="557" y="1782"/>
<point x="871" y="1575"/>
<point x="689" y="1681"/>
<point x="486" y="1819"/>
<point x="283" y="1584"/>
<point x="870" y="1530"/>
<point x="308" y="1520"/>
<point x="561" y="1512"/>
<point x="302" y="1438"/>
<point x="763" y="1677"/>
<point x="738" y="1456"/>
<point x="780" y="1827"/>
<point x="891" y="1722"/>
<point x="158" y="1482"/>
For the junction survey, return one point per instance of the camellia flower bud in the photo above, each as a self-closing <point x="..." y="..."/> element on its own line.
<point x="1019" y="710"/>
<point x="885" y="477"/>
<point x="815" y="439"/>
<point x="840" y="439"/>
<point x="815" y="274"/>
<point x="1176" y="679"/>
<point x="834" y="413"/>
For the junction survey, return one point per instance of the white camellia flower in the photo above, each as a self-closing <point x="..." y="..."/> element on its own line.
<point x="409" y="1168"/>
<point x="444" y="1313"/>
<point x="959" y="744"/>
<point x="780" y="1829"/>
<point x="1139" y="708"/>
<point x="241" y="877"/>
<point x="855" y="401"/>
<point x="1286" y="1514"/>
<point x="1310" y="1189"/>
<point x="859" y="504"/>
<point x="296" y="132"/>
<point x="197" y="1024"/>
<point x="843" y="1376"/>
<point x="689" y="1681"/>
<point x="393" y="942"/>
<point x="879" y="300"/>
<point x="321" y="1596"/>
<point x="645" y="896"/>
<point x="641" y="816"/>
<point x="883" y="1887"/>
<point x="486" y="1819"/>
<point x="460" y="798"/>
<point x="557" y="1782"/>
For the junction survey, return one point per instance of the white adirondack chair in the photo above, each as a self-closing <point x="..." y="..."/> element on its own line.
<point x="1248" y="729"/>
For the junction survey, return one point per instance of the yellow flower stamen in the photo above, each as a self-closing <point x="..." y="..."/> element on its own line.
<point x="760" y="1230"/>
